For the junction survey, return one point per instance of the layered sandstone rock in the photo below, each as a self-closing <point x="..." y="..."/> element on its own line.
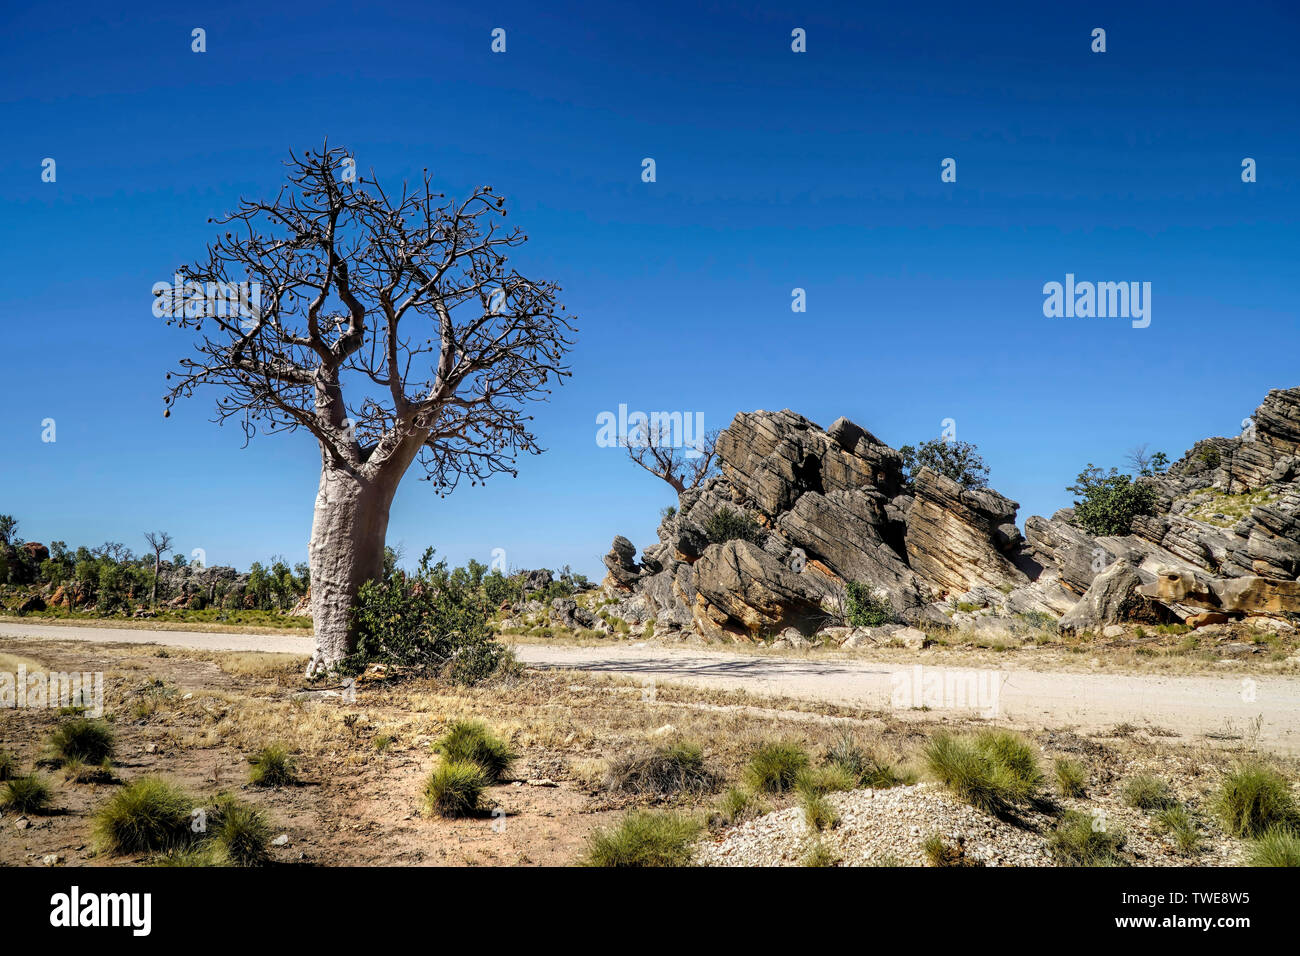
<point x="832" y="506"/>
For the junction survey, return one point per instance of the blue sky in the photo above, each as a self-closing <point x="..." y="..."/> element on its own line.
<point x="775" y="170"/>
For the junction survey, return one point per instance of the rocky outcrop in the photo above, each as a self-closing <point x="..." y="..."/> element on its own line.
<point x="1115" y="596"/>
<point x="958" y="539"/>
<point x="621" y="563"/>
<point x="830" y="507"/>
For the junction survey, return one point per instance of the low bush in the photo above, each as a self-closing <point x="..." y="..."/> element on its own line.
<point x="271" y="767"/>
<point x="1071" y="777"/>
<point x="867" y="769"/>
<point x="664" y="772"/>
<point x="819" y="854"/>
<point x="1253" y="800"/>
<point x="81" y="740"/>
<point x="431" y="621"/>
<point x="939" y="852"/>
<point x="148" y="815"/>
<point x="863" y="608"/>
<point x="471" y="741"/>
<point x="8" y="766"/>
<point x="643" y="838"/>
<point x="825" y="779"/>
<point x="728" y="524"/>
<point x="1108" y="503"/>
<point x="1080" y="840"/>
<point x="1178" y="822"/>
<point x="775" y="767"/>
<point x="818" y="814"/>
<point x="454" y="788"/>
<point x="26" y="794"/>
<point x="1145" y="792"/>
<point x="738" y="805"/>
<point x="994" y="770"/>
<point x="1279" y="846"/>
<point x="240" y="834"/>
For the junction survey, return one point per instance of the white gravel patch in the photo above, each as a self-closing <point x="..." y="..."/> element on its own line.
<point x="892" y="825"/>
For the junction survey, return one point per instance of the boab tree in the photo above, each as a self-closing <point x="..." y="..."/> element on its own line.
<point x="389" y="327"/>
<point x="653" y="447"/>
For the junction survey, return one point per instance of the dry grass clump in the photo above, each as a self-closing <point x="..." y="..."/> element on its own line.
<point x="666" y="771"/>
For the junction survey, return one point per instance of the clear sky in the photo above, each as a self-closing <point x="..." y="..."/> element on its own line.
<point x="775" y="170"/>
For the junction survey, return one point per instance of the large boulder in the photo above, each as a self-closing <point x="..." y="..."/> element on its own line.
<point x="621" y="564"/>
<point x="832" y="508"/>
<point x="1115" y="596"/>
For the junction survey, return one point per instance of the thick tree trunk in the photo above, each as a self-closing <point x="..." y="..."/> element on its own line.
<point x="347" y="549"/>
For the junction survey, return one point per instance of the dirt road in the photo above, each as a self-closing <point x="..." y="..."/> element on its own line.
<point x="1195" y="709"/>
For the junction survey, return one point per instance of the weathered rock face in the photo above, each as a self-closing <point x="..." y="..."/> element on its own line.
<point x="1115" y="596"/>
<point x="845" y="529"/>
<point x="772" y="458"/>
<point x="621" y="562"/>
<point x="833" y="507"/>
<point x="1245" y="595"/>
<point x="742" y="589"/>
<point x="958" y="539"/>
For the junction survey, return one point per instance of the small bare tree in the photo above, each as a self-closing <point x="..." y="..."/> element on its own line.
<point x="391" y="329"/>
<point x="161" y="543"/>
<point x="682" y="466"/>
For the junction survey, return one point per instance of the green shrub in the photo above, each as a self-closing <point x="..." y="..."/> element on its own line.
<point x="1080" y="840"/>
<point x="819" y="854"/>
<point x="644" y="839"/>
<point x="939" y="852"/>
<point x="727" y="524"/>
<point x="1110" y="502"/>
<point x="1178" y="821"/>
<point x="240" y="834"/>
<point x="471" y="741"/>
<point x="74" y="771"/>
<point x="26" y="794"/>
<point x="202" y="854"/>
<point x="1145" y="792"/>
<point x="432" y="621"/>
<point x="739" y="805"/>
<point x="826" y="779"/>
<point x="958" y="460"/>
<point x="775" y="767"/>
<point x="1253" y="800"/>
<point x="81" y="740"/>
<point x="1279" y="846"/>
<point x="454" y="788"/>
<point x="994" y="770"/>
<point x="866" y="769"/>
<point x="146" y="815"/>
<point x="271" y="767"/>
<point x="1071" y="777"/>
<point x="862" y="608"/>
<point x="817" y="811"/>
<point x="664" y="772"/>
<point x="8" y="766"/>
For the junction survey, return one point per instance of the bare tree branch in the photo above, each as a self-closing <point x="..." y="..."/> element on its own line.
<point x="681" y="466"/>
<point x="390" y="328"/>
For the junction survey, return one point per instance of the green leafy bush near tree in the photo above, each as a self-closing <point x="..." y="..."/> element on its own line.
<point x="728" y="524"/>
<point x="863" y="608"/>
<point x="434" y="620"/>
<point x="1108" y="502"/>
<point x="958" y="460"/>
